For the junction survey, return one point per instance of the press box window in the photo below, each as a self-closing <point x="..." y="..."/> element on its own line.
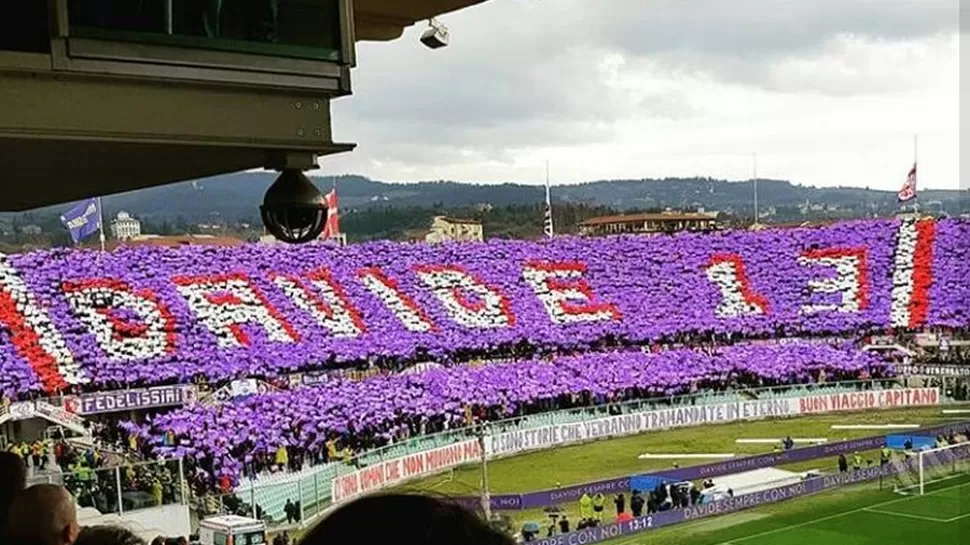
<point x="303" y="29"/>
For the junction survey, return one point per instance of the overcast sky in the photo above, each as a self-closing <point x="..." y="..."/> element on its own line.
<point x="827" y="92"/>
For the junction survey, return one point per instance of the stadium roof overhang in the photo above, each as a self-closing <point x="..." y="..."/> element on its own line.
<point x="74" y="126"/>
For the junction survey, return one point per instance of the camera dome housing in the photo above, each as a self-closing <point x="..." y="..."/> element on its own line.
<point x="436" y="36"/>
<point x="293" y="209"/>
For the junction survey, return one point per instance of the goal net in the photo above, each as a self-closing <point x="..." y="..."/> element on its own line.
<point x="919" y="472"/>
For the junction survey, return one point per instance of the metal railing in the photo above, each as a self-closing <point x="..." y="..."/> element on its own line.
<point x="309" y="490"/>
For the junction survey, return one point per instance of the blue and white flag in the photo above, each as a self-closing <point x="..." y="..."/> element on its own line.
<point x="83" y="220"/>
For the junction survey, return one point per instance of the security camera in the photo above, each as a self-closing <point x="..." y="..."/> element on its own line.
<point x="293" y="209"/>
<point x="436" y="36"/>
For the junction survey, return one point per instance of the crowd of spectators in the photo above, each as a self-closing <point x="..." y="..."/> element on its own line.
<point x="556" y="297"/>
<point x="46" y="514"/>
<point x="286" y="430"/>
<point x="98" y="479"/>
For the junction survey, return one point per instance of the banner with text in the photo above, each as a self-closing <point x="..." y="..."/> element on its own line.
<point x="517" y="441"/>
<point x="869" y="399"/>
<point x="736" y="503"/>
<point x="129" y="400"/>
<point x="940" y="370"/>
<point x="398" y="470"/>
<point x="395" y="471"/>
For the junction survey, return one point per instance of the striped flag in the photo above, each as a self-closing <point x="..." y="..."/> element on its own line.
<point x="332" y="227"/>
<point x="547" y="226"/>
<point x="908" y="192"/>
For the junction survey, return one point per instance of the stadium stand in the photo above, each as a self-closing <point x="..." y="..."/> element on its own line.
<point x="140" y="316"/>
<point x="514" y="329"/>
<point x="314" y="424"/>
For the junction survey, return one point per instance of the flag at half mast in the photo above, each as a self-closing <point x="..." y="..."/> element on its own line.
<point x="331" y="229"/>
<point x="547" y="226"/>
<point x="908" y="191"/>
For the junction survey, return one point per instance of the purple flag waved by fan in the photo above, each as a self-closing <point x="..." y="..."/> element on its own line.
<point x="83" y="220"/>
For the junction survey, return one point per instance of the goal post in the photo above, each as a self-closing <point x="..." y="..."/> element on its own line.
<point x="919" y="472"/>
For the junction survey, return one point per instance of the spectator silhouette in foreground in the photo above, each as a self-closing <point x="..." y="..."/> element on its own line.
<point x="404" y="518"/>
<point x="43" y="514"/>
<point x="13" y="480"/>
<point x="107" y="535"/>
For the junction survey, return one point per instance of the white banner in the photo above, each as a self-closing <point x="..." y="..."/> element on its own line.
<point x="874" y="399"/>
<point x="398" y="470"/>
<point x="514" y="442"/>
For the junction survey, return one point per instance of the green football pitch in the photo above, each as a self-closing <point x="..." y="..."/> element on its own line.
<point x="856" y="516"/>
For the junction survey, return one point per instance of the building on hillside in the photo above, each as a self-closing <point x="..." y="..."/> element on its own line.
<point x="446" y="229"/>
<point x="125" y="227"/>
<point x="659" y="222"/>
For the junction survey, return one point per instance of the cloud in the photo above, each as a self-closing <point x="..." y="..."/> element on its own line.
<point x="636" y="88"/>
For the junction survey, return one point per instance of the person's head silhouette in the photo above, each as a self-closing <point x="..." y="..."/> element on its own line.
<point x="407" y="518"/>
<point x="13" y="479"/>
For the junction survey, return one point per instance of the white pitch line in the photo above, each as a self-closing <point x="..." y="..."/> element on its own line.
<point x="956" y="518"/>
<point x="830" y="517"/>
<point x="875" y="426"/>
<point x="779" y="440"/>
<point x="956" y="411"/>
<point x="678" y="456"/>
<point x="904" y="515"/>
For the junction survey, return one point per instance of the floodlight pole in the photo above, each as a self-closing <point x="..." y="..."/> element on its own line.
<point x="485" y="496"/>
<point x="754" y="180"/>
<point x="915" y="161"/>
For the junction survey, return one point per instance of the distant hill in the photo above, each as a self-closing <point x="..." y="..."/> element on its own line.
<point x="237" y="196"/>
<point x="234" y="199"/>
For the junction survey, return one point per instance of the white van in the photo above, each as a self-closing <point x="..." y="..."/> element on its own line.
<point x="232" y="530"/>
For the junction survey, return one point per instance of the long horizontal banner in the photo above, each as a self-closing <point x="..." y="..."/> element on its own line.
<point x="398" y="470"/>
<point x="129" y="400"/>
<point x="869" y="399"/>
<point x="939" y="370"/>
<point x="518" y="441"/>
<point x="737" y="503"/>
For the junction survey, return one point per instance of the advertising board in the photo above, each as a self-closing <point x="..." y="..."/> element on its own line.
<point x="733" y="504"/>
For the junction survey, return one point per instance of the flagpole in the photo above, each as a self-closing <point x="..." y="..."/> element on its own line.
<point x="101" y="223"/>
<point x="754" y="180"/>
<point x="915" y="162"/>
